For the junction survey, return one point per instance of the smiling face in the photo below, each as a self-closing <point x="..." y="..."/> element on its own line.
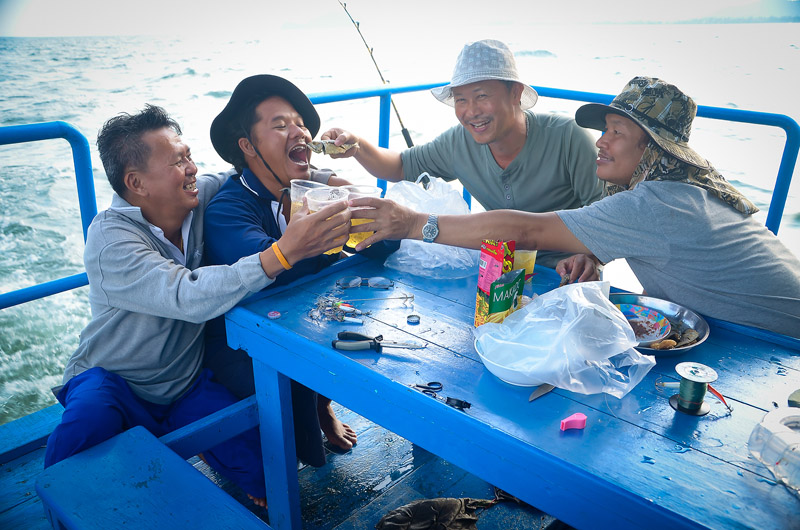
<point x="489" y="110"/>
<point x="167" y="187"/>
<point x="620" y="149"/>
<point x="281" y="137"/>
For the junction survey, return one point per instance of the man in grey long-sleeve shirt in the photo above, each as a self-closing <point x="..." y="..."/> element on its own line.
<point x="139" y="359"/>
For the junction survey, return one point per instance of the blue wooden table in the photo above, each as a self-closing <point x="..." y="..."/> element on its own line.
<point x="638" y="463"/>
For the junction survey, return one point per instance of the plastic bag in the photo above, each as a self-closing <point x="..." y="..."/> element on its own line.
<point x="572" y="337"/>
<point x="431" y="260"/>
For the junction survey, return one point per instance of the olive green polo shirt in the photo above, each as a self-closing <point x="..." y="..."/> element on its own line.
<point x="555" y="170"/>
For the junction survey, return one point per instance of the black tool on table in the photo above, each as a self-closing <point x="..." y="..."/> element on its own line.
<point x="433" y="388"/>
<point x="352" y="341"/>
<point x="430" y="389"/>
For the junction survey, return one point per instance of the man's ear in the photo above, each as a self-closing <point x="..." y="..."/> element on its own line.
<point x="246" y="147"/>
<point x="134" y="184"/>
<point x="516" y="91"/>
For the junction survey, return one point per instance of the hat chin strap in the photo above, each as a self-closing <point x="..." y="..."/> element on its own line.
<point x="284" y="189"/>
<point x="278" y="180"/>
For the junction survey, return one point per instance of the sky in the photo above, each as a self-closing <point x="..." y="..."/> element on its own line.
<point x="29" y="18"/>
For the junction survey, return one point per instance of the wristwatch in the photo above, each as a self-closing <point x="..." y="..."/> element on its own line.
<point x="431" y="228"/>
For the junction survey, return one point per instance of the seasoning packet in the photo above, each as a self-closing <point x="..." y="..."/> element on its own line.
<point x="499" y="287"/>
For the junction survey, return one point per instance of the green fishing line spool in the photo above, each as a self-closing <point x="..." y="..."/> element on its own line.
<point x="695" y="378"/>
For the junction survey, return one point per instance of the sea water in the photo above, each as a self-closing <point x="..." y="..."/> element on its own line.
<point x="86" y="80"/>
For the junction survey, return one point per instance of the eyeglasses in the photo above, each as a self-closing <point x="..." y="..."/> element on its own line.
<point x="377" y="282"/>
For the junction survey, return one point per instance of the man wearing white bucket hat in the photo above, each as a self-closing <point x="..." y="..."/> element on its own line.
<point x="506" y="156"/>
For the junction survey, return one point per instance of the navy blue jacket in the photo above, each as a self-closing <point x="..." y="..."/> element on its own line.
<point x="240" y="222"/>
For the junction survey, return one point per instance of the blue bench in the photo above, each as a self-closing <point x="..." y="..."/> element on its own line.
<point x="134" y="480"/>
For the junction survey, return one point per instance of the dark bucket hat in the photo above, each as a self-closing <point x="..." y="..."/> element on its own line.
<point x="661" y="109"/>
<point x="226" y="130"/>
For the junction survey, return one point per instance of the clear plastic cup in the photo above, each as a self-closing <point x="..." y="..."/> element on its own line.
<point x="298" y="190"/>
<point x="525" y="259"/>
<point x="318" y="198"/>
<point x="358" y="191"/>
<point x="775" y="442"/>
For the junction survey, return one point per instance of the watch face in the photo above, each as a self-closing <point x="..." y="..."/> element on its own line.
<point x="429" y="232"/>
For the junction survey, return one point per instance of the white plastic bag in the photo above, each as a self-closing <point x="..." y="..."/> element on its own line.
<point x="572" y="337"/>
<point x="431" y="260"/>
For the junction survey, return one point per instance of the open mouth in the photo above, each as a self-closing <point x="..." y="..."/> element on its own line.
<point x="299" y="154"/>
<point x="192" y="186"/>
<point x="479" y="124"/>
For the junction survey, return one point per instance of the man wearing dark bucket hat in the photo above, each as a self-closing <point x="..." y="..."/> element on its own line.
<point x="688" y="235"/>
<point x="264" y="131"/>
<point x="504" y="154"/>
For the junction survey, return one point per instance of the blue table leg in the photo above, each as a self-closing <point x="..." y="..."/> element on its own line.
<point x="273" y="393"/>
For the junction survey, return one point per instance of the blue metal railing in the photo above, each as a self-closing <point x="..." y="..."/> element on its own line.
<point x="88" y="205"/>
<point x="82" y="160"/>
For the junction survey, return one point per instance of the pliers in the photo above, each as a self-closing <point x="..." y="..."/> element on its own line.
<point x="351" y="341"/>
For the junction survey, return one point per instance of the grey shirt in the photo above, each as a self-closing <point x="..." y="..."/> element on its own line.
<point x="555" y="170"/>
<point x="689" y="247"/>
<point x="149" y="312"/>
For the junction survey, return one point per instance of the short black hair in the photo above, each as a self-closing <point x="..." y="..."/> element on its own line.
<point x="120" y="142"/>
<point x="245" y="119"/>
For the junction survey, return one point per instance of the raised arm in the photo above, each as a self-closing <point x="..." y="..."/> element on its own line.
<point x="531" y="231"/>
<point x="379" y="162"/>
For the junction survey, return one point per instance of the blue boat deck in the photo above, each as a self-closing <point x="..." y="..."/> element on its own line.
<point x="385" y="471"/>
<point x="352" y="491"/>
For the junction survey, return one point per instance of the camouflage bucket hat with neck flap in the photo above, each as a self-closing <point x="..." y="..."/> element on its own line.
<point x="661" y="109"/>
<point x="665" y="114"/>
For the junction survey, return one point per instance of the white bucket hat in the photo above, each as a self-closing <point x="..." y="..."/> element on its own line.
<point x="482" y="60"/>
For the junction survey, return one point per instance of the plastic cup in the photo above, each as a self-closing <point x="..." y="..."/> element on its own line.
<point x="298" y="190"/>
<point x="525" y="259"/>
<point x="356" y="192"/>
<point x="319" y="198"/>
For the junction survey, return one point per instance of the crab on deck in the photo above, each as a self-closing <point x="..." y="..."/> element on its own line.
<point x="327" y="147"/>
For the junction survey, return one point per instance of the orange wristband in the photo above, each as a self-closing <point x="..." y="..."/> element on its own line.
<point x="280" y="256"/>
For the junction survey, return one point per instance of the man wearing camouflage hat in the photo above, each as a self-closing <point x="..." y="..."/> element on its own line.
<point x="688" y="234"/>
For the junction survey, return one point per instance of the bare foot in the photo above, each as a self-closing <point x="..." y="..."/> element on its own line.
<point x="258" y="501"/>
<point x="338" y="433"/>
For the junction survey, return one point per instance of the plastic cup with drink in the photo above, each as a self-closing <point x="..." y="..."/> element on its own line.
<point x="356" y="192"/>
<point x="318" y="198"/>
<point x="298" y="190"/>
<point x="525" y="259"/>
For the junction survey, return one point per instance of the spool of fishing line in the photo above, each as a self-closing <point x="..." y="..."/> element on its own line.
<point x="695" y="378"/>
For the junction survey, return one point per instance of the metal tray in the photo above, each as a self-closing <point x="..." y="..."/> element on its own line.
<point x="680" y="318"/>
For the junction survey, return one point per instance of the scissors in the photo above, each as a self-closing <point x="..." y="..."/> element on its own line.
<point x="352" y="341"/>
<point x="430" y="389"/>
<point x="433" y="388"/>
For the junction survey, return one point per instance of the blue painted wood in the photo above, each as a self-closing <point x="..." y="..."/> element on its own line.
<point x="636" y="454"/>
<point x="135" y="481"/>
<point x="380" y="461"/>
<point x="18" y="500"/>
<point x="348" y="492"/>
<point x="277" y="443"/>
<point x="737" y="378"/>
<point x="214" y="429"/>
<point x="25" y="434"/>
<point x="459" y="338"/>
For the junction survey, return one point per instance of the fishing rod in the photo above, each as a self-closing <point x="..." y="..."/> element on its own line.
<point x="405" y="132"/>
